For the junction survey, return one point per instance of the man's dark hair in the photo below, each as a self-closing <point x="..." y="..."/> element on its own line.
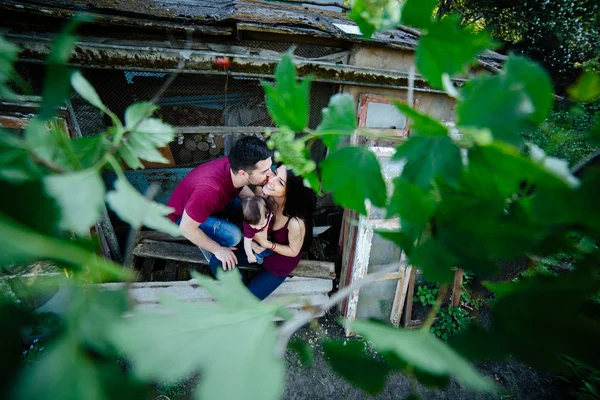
<point x="254" y="209"/>
<point x="246" y="152"/>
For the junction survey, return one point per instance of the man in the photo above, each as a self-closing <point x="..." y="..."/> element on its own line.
<point x="211" y="192"/>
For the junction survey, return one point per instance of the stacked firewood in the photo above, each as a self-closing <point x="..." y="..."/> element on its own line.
<point x="199" y="147"/>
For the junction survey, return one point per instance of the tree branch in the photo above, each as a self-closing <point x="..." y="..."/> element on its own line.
<point x="300" y="319"/>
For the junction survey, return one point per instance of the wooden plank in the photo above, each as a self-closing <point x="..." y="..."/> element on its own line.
<point x="146" y="270"/>
<point x="361" y="265"/>
<point x="401" y="291"/>
<point x="166" y="152"/>
<point x="223" y="130"/>
<point x="457" y="287"/>
<point x="160" y="236"/>
<point x="192" y="254"/>
<point x="409" y="298"/>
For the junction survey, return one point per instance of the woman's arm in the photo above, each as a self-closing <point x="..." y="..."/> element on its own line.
<point x="296" y="232"/>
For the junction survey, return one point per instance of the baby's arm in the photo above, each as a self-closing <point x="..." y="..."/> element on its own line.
<point x="248" y="250"/>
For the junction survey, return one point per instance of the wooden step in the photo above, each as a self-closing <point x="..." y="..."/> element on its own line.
<point x="192" y="254"/>
<point x="307" y="291"/>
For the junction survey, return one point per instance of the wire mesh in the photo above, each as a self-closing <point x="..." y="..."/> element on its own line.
<point x="193" y="104"/>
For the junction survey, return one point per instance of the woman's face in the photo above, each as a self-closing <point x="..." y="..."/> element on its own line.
<point x="275" y="186"/>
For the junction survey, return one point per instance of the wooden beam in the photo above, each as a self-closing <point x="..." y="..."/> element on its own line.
<point x="192" y="254"/>
<point x="221" y="130"/>
<point x="409" y="298"/>
<point x="457" y="287"/>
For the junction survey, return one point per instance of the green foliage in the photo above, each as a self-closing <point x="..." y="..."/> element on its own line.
<point x="423" y="352"/>
<point x="233" y="337"/>
<point x="499" y="103"/>
<point x="351" y="190"/>
<point x="375" y="15"/>
<point x="339" y="120"/>
<point x="425" y="295"/>
<point x="450" y="321"/>
<point x="350" y="360"/>
<point x="587" y="87"/>
<point x="8" y="55"/>
<point x="495" y="202"/>
<point x="584" y="378"/>
<point x="445" y="49"/>
<point x="287" y="101"/>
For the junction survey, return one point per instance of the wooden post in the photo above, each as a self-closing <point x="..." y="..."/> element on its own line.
<point x="457" y="287"/>
<point x="409" y="298"/>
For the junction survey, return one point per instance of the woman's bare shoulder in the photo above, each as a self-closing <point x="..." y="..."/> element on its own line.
<point x="296" y="225"/>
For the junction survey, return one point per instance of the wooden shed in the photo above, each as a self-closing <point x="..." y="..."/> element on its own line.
<point x="133" y="45"/>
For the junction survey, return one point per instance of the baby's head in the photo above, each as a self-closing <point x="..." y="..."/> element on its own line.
<point x="255" y="211"/>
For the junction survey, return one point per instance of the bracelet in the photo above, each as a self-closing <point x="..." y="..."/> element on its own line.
<point x="273" y="246"/>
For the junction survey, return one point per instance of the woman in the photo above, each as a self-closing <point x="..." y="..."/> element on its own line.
<point x="291" y="234"/>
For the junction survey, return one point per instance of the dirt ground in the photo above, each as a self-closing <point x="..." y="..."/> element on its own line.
<point x="517" y="381"/>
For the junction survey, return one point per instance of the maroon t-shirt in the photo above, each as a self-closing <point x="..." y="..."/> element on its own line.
<point x="207" y="189"/>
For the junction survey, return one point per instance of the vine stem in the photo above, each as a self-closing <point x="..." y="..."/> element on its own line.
<point x="299" y="320"/>
<point x="436" y="307"/>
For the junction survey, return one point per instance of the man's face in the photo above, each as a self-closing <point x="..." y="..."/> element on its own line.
<point x="261" y="173"/>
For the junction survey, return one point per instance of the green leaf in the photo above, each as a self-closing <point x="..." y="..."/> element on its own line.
<point x="86" y="90"/>
<point x="435" y="260"/>
<point x="63" y="371"/>
<point x="536" y="83"/>
<point x="137" y="210"/>
<point x="339" y="119"/>
<point x="422" y="124"/>
<point x="424" y="352"/>
<point x="508" y="102"/>
<point x="233" y="336"/>
<point x="22" y="244"/>
<point x="418" y="13"/>
<point x="149" y="135"/>
<point x="350" y="190"/>
<point x="287" y="101"/>
<point x="138" y="112"/>
<point x="587" y="87"/>
<point x="8" y="55"/>
<point x="445" y="48"/>
<point x="30" y="205"/>
<point x="80" y="196"/>
<point x="411" y="202"/>
<point x="534" y="324"/>
<point x="305" y="352"/>
<point x="587" y="245"/>
<point x="375" y="15"/>
<point x="291" y="152"/>
<point x="56" y="85"/>
<point x="351" y="361"/>
<point x="429" y="157"/>
<point x="16" y="164"/>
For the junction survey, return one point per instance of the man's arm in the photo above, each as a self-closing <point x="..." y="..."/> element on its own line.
<point x="191" y="231"/>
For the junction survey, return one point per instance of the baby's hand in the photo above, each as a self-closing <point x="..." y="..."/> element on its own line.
<point x="257" y="248"/>
<point x="252" y="259"/>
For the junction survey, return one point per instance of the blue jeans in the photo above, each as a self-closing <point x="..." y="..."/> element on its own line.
<point x="261" y="285"/>
<point x="261" y="256"/>
<point x="219" y="228"/>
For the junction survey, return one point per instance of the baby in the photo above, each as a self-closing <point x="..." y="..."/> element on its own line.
<point x="257" y="217"/>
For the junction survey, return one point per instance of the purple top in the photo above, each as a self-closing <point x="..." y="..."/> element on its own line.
<point x="277" y="264"/>
<point x="249" y="231"/>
